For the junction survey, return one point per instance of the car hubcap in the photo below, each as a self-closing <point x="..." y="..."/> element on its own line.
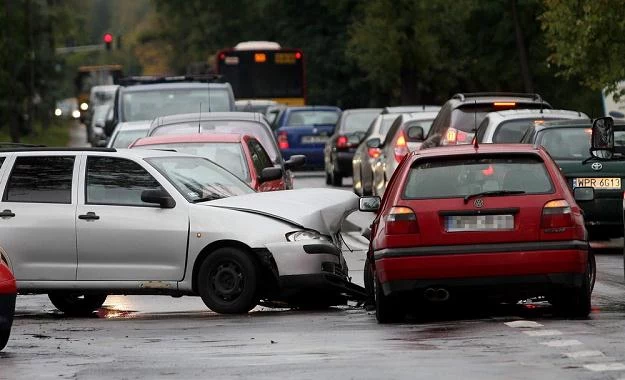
<point x="227" y="281"/>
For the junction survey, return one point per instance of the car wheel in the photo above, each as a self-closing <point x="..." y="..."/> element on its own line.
<point x="77" y="304"/>
<point x="337" y="179"/>
<point x="593" y="269"/>
<point x="328" y="178"/>
<point x="575" y="303"/>
<point x="228" y="281"/>
<point x="387" y="309"/>
<point x="4" y="338"/>
<point x="368" y="280"/>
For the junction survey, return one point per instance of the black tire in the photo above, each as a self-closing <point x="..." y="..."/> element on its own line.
<point x="576" y="303"/>
<point x="77" y="304"/>
<point x="369" y="287"/>
<point x="593" y="268"/>
<point x="227" y="281"/>
<point x="328" y="178"/>
<point x="387" y="308"/>
<point x="4" y="338"/>
<point x="336" y="179"/>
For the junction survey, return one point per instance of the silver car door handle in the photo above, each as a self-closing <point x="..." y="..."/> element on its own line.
<point x="7" y="214"/>
<point x="89" y="216"/>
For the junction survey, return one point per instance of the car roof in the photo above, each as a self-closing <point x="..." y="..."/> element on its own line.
<point x="173" y="86"/>
<point x="255" y="102"/>
<point x="313" y="108"/>
<point x="573" y="123"/>
<point x="421" y="115"/>
<point x="112" y="152"/>
<point x="465" y="149"/>
<point x="361" y="110"/>
<point x="411" y="109"/>
<point x="522" y="113"/>
<point x="461" y="99"/>
<point x="189" y="138"/>
<point x="207" y="116"/>
<point x="133" y="125"/>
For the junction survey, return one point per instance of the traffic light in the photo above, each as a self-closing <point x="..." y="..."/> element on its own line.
<point x="108" y="40"/>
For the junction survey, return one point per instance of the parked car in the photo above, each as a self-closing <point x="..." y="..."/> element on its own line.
<point x="568" y="143"/>
<point x="410" y="109"/>
<point x="305" y="131"/>
<point x="461" y="223"/>
<point x="8" y="292"/>
<point x="244" y="123"/>
<point x="127" y="132"/>
<point x="460" y="116"/>
<point x="339" y="150"/>
<point x="242" y="156"/>
<point x="83" y="224"/>
<point x="396" y="145"/>
<point x="364" y="156"/>
<point x="505" y="127"/>
<point x="146" y="98"/>
<point x="254" y="105"/>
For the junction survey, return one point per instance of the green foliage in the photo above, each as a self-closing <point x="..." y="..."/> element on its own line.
<point x="587" y="40"/>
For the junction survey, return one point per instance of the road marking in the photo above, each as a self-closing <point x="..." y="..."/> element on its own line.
<point x="523" y="324"/>
<point x="600" y="367"/>
<point x="583" y="354"/>
<point x="562" y="343"/>
<point x="543" y="332"/>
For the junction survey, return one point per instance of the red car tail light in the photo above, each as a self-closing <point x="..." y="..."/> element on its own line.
<point x="283" y="141"/>
<point x="374" y="152"/>
<point x="556" y="215"/>
<point x="454" y="136"/>
<point x="401" y="149"/>
<point x="401" y="221"/>
<point x="342" y="142"/>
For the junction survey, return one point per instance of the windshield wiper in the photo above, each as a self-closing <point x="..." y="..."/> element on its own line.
<point x="492" y="194"/>
<point x="208" y="198"/>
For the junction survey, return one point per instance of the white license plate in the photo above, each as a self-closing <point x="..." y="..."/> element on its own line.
<point x="314" y="139"/>
<point x="467" y="223"/>
<point x="598" y="183"/>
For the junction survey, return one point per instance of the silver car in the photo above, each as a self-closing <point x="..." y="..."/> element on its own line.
<point x="509" y="126"/>
<point x="128" y="132"/>
<point x="82" y="224"/>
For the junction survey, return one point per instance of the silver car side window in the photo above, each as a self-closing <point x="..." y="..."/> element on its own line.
<point x="117" y="181"/>
<point x="41" y="179"/>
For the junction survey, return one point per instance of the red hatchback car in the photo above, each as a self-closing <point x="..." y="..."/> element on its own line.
<point x="243" y="155"/>
<point x="498" y="221"/>
<point x="8" y="293"/>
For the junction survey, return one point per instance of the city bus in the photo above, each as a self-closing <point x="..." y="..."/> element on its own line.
<point x="90" y="76"/>
<point x="264" y="70"/>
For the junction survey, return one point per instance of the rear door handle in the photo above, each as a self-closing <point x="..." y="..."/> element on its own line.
<point x="7" y="214"/>
<point x="89" y="216"/>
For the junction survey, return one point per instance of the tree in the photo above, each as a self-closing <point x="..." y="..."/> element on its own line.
<point x="587" y="40"/>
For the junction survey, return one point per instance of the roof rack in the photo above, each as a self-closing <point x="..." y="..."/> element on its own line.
<point x="54" y="149"/>
<point x="463" y="96"/>
<point x="136" y="80"/>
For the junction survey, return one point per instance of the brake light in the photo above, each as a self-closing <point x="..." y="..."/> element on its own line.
<point x="455" y="136"/>
<point x="401" y="149"/>
<point x="401" y="221"/>
<point x="504" y="104"/>
<point x="556" y="216"/>
<point x="283" y="141"/>
<point x="342" y="142"/>
<point x="374" y="152"/>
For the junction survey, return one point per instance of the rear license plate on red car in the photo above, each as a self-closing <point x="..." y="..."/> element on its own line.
<point x="467" y="223"/>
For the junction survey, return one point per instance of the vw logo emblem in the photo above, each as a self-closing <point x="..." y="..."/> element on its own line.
<point x="478" y="203"/>
<point x="596" y="166"/>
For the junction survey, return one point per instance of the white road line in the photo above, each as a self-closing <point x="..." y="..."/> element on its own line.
<point x="600" y="367"/>
<point x="523" y="324"/>
<point x="583" y="354"/>
<point x="543" y="332"/>
<point x="562" y="343"/>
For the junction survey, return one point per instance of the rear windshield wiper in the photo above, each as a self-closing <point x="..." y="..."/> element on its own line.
<point x="492" y="194"/>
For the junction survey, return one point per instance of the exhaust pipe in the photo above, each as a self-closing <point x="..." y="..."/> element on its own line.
<point x="436" y="295"/>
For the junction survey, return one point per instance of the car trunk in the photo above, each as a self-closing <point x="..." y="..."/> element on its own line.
<point x="308" y="136"/>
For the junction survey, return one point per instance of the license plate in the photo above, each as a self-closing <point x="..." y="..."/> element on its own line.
<point x="466" y="223"/>
<point x="598" y="183"/>
<point x="314" y="139"/>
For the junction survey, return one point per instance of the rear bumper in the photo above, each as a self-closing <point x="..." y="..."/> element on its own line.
<point x="548" y="263"/>
<point x="7" y="309"/>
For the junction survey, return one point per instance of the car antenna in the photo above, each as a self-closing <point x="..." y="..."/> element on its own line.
<point x="199" y="120"/>
<point x="476" y="129"/>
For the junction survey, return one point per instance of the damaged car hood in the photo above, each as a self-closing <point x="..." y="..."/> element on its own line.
<point x="322" y="210"/>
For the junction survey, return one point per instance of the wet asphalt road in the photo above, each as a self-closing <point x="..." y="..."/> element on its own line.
<point x="144" y="337"/>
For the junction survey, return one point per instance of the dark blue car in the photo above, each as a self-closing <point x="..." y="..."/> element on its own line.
<point x="305" y="130"/>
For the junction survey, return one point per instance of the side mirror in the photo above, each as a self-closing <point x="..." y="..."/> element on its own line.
<point x="602" y="140"/>
<point x="160" y="197"/>
<point x="295" y="161"/>
<point x="369" y="204"/>
<point x="584" y="194"/>
<point x="374" y="143"/>
<point x="270" y="174"/>
<point x="414" y="134"/>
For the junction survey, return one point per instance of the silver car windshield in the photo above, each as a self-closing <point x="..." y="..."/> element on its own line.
<point x="199" y="179"/>
<point x="148" y="105"/>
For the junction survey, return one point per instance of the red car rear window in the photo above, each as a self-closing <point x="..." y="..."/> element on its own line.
<point x="459" y="177"/>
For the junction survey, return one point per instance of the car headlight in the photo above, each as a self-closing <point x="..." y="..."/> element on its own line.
<point x="306" y="235"/>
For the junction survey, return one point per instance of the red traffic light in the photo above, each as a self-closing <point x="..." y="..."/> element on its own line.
<point x="108" y="38"/>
